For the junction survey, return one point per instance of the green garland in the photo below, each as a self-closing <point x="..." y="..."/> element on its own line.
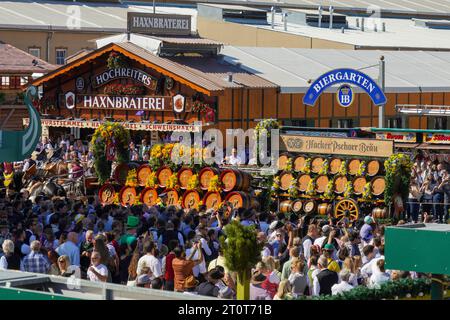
<point x="104" y="134"/>
<point x="293" y="190"/>
<point x="325" y="167"/>
<point x="398" y="172"/>
<point x="264" y="126"/>
<point x="392" y="290"/>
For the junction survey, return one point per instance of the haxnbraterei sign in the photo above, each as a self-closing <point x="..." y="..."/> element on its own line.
<point x="337" y="146"/>
<point x="159" y="24"/>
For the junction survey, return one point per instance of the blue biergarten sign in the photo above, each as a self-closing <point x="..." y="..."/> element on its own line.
<point x="348" y="76"/>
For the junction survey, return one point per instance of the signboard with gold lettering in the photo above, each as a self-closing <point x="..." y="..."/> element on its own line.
<point x="397" y="136"/>
<point x="440" y="138"/>
<point x="341" y="146"/>
<point x="160" y="24"/>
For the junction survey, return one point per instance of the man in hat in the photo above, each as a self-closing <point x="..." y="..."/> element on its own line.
<point x="328" y="251"/>
<point x="248" y="218"/>
<point x="130" y="236"/>
<point x="326" y="229"/>
<point x="366" y="231"/>
<point x="190" y="285"/>
<point x="210" y="287"/>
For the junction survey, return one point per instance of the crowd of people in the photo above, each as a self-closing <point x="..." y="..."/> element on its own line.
<point x="174" y="249"/>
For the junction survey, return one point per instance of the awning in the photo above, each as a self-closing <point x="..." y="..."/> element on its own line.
<point x="429" y="146"/>
<point x="405" y="145"/>
<point x="65" y="123"/>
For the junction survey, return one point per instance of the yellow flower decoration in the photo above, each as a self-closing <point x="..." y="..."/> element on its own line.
<point x="172" y="181"/>
<point x="193" y="182"/>
<point x="152" y="180"/>
<point x="215" y="184"/>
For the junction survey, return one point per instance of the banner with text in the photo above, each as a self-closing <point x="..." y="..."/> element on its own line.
<point x="436" y="138"/>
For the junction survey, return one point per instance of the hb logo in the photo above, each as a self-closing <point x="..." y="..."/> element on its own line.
<point x="345" y="96"/>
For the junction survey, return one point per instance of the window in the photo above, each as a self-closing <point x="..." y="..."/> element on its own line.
<point x="5" y="82"/>
<point x="61" y="56"/>
<point x="35" y="52"/>
<point x="345" y="123"/>
<point x="23" y="80"/>
<point x="394" y="122"/>
<point x="295" y="123"/>
<point x="437" y="123"/>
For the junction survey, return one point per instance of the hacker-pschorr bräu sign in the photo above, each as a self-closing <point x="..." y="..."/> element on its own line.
<point x="159" y="24"/>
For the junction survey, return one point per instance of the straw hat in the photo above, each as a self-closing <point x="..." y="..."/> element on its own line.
<point x="190" y="282"/>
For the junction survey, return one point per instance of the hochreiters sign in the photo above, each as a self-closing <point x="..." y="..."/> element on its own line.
<point x="159" y="24"/>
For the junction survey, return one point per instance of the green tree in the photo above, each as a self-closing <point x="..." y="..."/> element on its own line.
<point x="242" y="252"/>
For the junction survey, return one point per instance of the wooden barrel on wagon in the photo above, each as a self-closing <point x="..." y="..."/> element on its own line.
<point x="184" y="175"/>
<point x="297" y="206"/>
<point x="205" y="175"/>
<point x="241" y="199"/>
<point x="309" y="207"/>
<point x="378" y="185"/>
<point x="286" y="206"/>
<point x="235" y="180"/>
<point x="353" y="166"/>
<point x="321" y="183"/>
<point x="107" y="193"/>
<point x="335" y="165"/>
<point x="172" y="197"/>
<point x="340" y="183"/>
<point x="317" y="164"/>
<point x="303" y="181"/>
<point x="299" y="163"/>
<point x="127" y="196"/>
<point x="373" y="168"/>
<point x="163" y="174"/>
<point x="212" y="200"/>
<point x="142" y="174"/>
<point x="324" y="209"/>
<point x="282" y="161"/>
<point x="358" y="185"/>
<point x="380" y="213"/>
<point x="149" y="196"/>
<point x="285" y="180"/>
<point x="190" y="199"/>
<point x="121" y="171"/>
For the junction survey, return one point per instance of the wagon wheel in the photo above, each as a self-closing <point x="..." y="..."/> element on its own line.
<point x="348" y="208"/>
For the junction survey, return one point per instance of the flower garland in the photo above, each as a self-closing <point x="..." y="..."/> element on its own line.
<point x="152" y="180"/>
<point x="367" y="192"/>
<point x="109" y="134"/>
<point x="116" y="60"/>
<point x="398" y="172"/>
<point x="265" y="126"/>
<point x="348" y="189"/>
<point x="8" y="178"/>
<point x="329" y="190"/>
<point x="343" y="168"/>
<point x="172" y="181"/>
<point x="289" y="165"/>
<point x="307" y="167"/>
<point x="193" y="182"/>
<point x="293" y="190"/>
<point x="215" y="184"/>
<point x="276" y="184"/>
<point x="131" y="178"/>
<point x="118" y="89"/>
<point x="311" y="188"/>
<point x="362" y="169"/>
<point x="325" y="167"/>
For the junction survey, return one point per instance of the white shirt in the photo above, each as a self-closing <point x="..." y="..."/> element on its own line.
<point x="234" y="160"/>
<point x="377" y="279"/>
<point x="319" y="241"/>
<point x="151" y="262"/>
<point x="201" y="267"/>
<point x="341" y="287"/>
<point x="101" y="268"/>
<point x="371" y="267"/>
<point x="3" y="263"/>
<point x="307" y="248"/>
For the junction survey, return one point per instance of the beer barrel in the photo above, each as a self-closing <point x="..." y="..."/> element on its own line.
<point x="184" y="175"/>
<point x="282" y="161"/>
<point x="378" y="185"/>
<point x="379" y="213"/>
<point x="190" y="199"/>
<point x="309" y="206"/>
<point x="297" y="206"/>
<point x="317" y="164"/>
<point x="299" y="163"/>
<point x="149" y="196"/>
<point x="286" y="206"/>
<point x="335" y="165"/>
<point x="353" y="166"/>
<point x="339" y="184"/>
<point x="373" y="167"/>
<point x="358" y="185"/>
<point x="233" y="179"/>
<point x="127" y="196"/>
<point x="241" y="199"/>
<point x="142" y="173"/>
<point x="324" y="209"/>
<point x="121" y="171"/>
<point x="163" y="174"/>
<point x="212" y="200"/>
<point x="107" y="194"/>
<point x="172" y="197"/>
<point x="303" y="181"/>
<point x="205" y="175"/>
<point x="285" y="180"/>
<point x="321" y="183"/>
